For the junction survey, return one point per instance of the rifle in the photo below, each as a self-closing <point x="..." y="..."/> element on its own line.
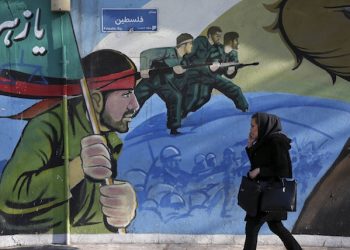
<point x="238" y="65"/>
<point x="168" y="69"/>
<point x="222" y="65"/>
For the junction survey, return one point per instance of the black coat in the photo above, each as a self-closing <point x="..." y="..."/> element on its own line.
<point x="272" y="157"/>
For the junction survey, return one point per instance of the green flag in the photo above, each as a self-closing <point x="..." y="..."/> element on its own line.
<point x="38" y="51"/>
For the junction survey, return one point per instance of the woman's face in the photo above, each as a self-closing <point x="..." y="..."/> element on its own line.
<point x="253" y="129"/>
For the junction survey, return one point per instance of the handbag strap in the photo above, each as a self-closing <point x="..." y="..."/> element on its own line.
<point x="283" y="180"/>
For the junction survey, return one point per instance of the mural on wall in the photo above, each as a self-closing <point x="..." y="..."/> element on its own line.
<point x="184" y="153"/>
<point x="185" y="76"/>
<point x="298" y="21"/>
<point x="41" y="191"/>
<point x="325" y="22"/>
<point x="216" y="129"/>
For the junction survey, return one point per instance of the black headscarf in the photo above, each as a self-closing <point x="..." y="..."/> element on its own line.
<point x="268" y="124"/>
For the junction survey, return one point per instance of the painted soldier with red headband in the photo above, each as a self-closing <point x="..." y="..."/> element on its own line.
<point x="34" y="196"/>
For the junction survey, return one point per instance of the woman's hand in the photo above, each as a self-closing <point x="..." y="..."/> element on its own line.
<point x="251" y="140"/>
<point x="254" y="173"/>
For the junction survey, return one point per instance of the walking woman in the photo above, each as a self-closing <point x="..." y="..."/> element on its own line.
<point x="268" y="152"/>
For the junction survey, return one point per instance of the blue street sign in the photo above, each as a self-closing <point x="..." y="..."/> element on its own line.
<point x="129" y="20"/>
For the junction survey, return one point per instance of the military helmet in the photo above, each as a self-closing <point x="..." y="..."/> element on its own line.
<point x="170" y="153"/>
<point x="199" y="158"/>
<point x="210" y="156"/>
<point x="229" y="151"/>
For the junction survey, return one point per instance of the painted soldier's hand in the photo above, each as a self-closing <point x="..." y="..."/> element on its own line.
<point x="95" y="156"/>
<point x="215" y="66"/>
<point x="178" y="69"/>
<point x="231" y="70"/>
<point x="118" y="203"/>
<point x="144" y="73"/>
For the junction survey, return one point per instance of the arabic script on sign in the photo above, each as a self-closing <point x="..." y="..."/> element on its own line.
<point x="139" y="19"/>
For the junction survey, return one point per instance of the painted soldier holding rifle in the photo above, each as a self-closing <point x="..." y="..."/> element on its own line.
<point x="163" y="74"/>
<point x="202" y="80"/>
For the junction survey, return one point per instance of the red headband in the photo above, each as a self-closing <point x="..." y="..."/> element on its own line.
<point x="116" y="81"/>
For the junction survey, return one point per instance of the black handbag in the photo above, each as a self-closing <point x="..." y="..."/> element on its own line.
<point x="279" y="196"/>
<point x="249" y="195"/>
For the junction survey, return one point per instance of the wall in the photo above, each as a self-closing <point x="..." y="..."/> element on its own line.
<point x="185" y="183"/>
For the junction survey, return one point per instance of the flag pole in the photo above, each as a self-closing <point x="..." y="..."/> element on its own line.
<point x="89" y="107"/>
<point x="95" y="126"/>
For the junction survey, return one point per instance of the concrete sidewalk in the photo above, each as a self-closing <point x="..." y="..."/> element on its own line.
<point x="160" y="247"/>
<point x="163" y="242"/>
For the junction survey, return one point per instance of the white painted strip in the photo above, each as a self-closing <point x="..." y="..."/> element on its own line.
<point x="86" y="239"/>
